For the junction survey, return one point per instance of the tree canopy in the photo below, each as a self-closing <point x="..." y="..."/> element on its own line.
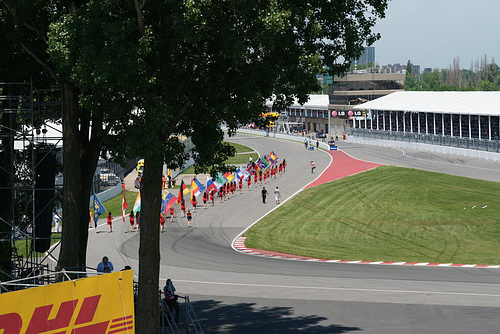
<point x="481" y="76"/>
<point x="136" y="76"/>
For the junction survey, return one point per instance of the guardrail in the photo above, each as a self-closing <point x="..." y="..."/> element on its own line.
<point x="468" y="147"/>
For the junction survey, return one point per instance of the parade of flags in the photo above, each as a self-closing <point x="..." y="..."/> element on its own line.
<point x="137" y="204"/>
<point x="240" y="173"/>
<point x="182" y="192"/>
<point x="98" y="209"/>
<point x="167" y="200"/>
<point x="124" y="206"/>
<point x="196" y="187"/>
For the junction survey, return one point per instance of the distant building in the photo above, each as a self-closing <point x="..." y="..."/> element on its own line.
<point x="368" y="56"/>
<point x="398" y="68"/>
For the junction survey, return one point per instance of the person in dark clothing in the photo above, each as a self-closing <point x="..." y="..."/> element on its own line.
<point x="264" y="194"/>
<point x="171" y="299"/>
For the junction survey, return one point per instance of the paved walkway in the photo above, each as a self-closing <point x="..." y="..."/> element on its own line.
<point x="342" y="165"/>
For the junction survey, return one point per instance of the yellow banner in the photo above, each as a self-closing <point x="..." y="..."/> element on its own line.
<point x="93" y="305"/>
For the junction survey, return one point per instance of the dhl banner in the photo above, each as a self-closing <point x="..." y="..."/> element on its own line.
<point x="93" y="305"/>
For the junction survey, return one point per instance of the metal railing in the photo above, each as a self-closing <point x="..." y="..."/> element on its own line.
<point x="466" y="143"/>
<point x="167" y="323"/>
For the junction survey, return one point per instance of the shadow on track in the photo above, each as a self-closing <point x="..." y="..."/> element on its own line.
<point x="241" y="318"/>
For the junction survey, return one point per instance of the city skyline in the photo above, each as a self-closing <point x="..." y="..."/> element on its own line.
<point x="431" y="33"/>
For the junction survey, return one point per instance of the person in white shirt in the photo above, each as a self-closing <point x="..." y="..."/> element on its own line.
<point x="277" y="195"/>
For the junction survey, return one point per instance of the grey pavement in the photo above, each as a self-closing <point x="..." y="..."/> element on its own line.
<point x="239" y="293"/>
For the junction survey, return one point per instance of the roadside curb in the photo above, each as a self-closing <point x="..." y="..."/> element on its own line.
<point x="239" y="245"/>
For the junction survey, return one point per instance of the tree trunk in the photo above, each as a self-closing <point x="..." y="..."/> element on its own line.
<point x="149" y="249"/>
<point x="79" y="162"/>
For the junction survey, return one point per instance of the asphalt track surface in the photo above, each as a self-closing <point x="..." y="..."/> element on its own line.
<point x="238" y="293"/>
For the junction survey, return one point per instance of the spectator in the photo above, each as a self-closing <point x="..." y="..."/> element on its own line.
<point x="313" y="167"/>
<point x="105" y="266"/>
<point x="171" y="299"/>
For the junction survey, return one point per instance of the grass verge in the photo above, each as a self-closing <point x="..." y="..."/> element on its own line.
<point x="241" y="158"/>
<point x="389" y="214"/>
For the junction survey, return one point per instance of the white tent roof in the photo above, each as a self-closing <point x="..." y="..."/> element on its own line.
<point x="315" y="101"/>
<point x="474" y="103"/>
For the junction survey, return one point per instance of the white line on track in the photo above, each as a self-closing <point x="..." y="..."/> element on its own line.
<point x="283" y="202"/>
<point x="339" y="289"/>
<point x="442" y="162"/>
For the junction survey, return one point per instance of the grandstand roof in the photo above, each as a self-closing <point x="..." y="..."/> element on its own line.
<point x="316" y="101"/>
<point x="474" y="103"/>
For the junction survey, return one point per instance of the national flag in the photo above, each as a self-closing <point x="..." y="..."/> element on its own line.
<point x="266" y="158"/>
<point x="196" y="188"/>
<point x="137" y="204"/>
<point x="251" y="170"/>
<point x="98" y="209"/>
<point x="271" y="159"/>
<point x="274" y="156"/>
<point x="229" y="176"/>
<point x="218" y="183"/>
<point x="167" y="200"/>
<point x="182" y="192"/>
<point x="245" y="174"/>
<point x="239" y="175"/>
<point x="210" y="184"/>
<point x="261" y="164"/>
<point x="222" y="180"/>
<point x="124" y="206"/>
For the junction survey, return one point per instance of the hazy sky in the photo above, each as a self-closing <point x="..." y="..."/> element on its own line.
<point x="432" y="32"/>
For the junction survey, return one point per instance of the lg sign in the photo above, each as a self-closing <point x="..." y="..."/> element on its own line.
<point x="346" y="114"/>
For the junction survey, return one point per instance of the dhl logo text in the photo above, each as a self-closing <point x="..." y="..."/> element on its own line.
<point x="12" y="323"/>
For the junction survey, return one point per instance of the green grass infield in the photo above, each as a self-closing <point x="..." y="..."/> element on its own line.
<point x="241" y="158"/>
<point x="389" y="214"/>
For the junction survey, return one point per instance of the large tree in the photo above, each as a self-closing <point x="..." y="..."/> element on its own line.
<point x="149" y="72"/>
<point x="214" y="62"/>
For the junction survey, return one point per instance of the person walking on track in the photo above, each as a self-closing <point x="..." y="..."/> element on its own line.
<point x="264" y="195"/>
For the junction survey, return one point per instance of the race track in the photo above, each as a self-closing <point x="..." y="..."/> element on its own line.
<point x="239" y="293"/>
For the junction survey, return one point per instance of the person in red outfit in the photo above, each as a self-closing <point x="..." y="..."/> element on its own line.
<point x="172" y="214"/>
<point x="162" y="221"/>
<point x="189" y="217"/>
<point x="205" y="200"/>
<point x="193" y="202"/>
<point x="110" y="220"/>
<point x="183" y="208"/>
<point x="131" y="217"/>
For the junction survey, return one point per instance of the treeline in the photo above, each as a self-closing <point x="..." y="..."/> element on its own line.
<point x="481" y="76"/>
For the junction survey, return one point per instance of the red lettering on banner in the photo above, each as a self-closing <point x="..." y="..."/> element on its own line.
<point x="87" y="311"/>
<point x="40" y="322"/>
<point x="11" y="323"/>
<point x="99" y="328"/>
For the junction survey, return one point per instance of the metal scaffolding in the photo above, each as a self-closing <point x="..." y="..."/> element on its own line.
<point x="30" y="124"/>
